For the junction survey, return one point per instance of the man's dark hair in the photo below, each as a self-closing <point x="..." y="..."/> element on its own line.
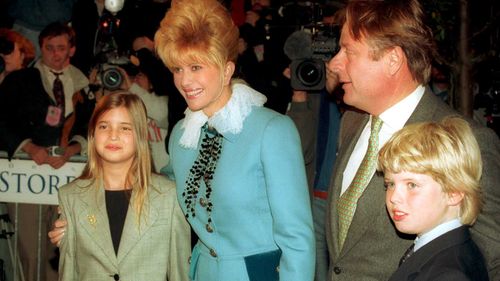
<point x="56" y="29"/>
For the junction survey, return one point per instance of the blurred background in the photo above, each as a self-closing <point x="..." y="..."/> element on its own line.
<point x="467" y="71"/>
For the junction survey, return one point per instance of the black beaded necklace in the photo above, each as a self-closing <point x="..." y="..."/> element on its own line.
<point x="203" y="169"/>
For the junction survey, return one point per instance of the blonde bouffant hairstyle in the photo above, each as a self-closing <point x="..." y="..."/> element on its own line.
<point x="199" y="31"/>
<point x="447" y="151"/>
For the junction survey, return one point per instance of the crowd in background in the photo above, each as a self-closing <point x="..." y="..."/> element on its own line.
<point x="99" y="40"/>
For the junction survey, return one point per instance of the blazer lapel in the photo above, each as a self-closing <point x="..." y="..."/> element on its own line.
<point x="422" y="256"/>
<point x="94" y="220"/>
<point x="132" y="232"/>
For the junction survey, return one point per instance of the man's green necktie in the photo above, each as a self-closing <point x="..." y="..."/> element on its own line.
<point x="348" y="201"/>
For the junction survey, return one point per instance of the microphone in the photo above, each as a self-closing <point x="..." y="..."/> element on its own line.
<point x="298" y="45"/>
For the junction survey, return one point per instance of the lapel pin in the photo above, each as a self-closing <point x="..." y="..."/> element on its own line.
<point x="92" y="220"/>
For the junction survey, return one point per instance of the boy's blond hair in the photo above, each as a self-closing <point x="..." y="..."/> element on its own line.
<point x="447" y="151"/>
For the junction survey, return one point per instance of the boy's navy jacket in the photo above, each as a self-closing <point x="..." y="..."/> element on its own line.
<point x="452" y="256"/>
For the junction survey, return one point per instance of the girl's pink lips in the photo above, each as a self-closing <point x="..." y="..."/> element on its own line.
<point x="112" y="147"/>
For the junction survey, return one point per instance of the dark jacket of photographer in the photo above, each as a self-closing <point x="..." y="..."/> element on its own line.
<point x="24" y="104"/>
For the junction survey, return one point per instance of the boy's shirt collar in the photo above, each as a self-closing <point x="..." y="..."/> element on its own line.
<point x="436" y="232"/>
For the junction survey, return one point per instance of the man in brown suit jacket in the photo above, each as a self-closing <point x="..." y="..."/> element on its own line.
<point x="383" y="64"/>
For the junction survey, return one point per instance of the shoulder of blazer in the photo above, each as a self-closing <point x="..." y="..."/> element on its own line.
<point x="161" y="184"/>
<point x="431" y="107"/>
<point x="263" y="114"/>
<point x="258" y="120"/>
<point x="77" y="186"/>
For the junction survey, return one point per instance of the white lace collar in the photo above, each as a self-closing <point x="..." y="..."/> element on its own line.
<point x="228" y="119"/>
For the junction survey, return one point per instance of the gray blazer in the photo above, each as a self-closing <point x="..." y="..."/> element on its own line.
<point x="156" y="250"/>
<point x="373" y="247"/>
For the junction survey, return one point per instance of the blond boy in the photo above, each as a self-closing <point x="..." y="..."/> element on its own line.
<point x="431" y="173"/>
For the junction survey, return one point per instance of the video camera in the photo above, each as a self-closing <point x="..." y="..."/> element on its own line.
<point x="109" y="75"/>
<point x="106" y="51"/>
<point x="309" y="50"/>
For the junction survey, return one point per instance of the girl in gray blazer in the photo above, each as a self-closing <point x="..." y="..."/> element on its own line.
<point x="124" y="223"/>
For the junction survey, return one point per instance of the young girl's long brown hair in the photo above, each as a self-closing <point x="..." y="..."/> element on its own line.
<point x="139" y="174"/>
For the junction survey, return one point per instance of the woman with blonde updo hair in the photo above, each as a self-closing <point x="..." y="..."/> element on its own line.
<point x="238" y="166"/>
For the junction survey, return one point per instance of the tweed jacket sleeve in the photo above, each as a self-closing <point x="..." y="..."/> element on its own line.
<point x="180" y="244"/>
<point x="67" y="260"/>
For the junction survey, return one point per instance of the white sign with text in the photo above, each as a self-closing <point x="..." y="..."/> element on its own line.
<point x="23" y="181"/>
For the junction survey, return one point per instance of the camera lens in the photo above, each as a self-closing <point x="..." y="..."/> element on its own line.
<point x="111" y="78"/>
<point x="309" y="73"/>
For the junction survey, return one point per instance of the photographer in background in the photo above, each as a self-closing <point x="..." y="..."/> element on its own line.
<point x="317" y="117"/>
<point x="160" y="95"/>
<point x="110" y="34"/>
<point x="97" y="23"/>
<point x="316" y="108"/>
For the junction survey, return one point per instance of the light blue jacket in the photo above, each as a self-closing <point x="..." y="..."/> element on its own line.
<point x="260" y="200"/>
